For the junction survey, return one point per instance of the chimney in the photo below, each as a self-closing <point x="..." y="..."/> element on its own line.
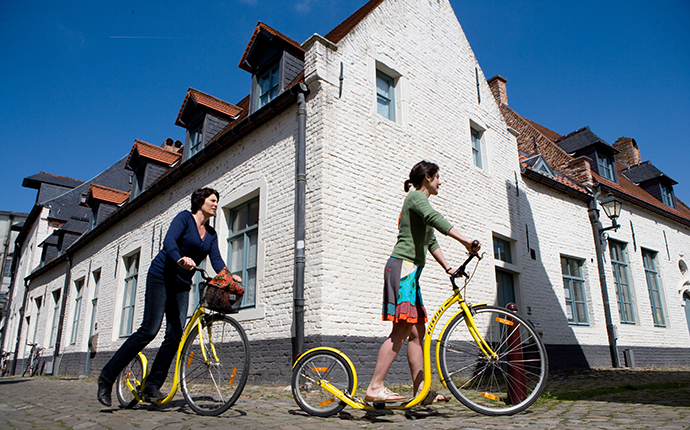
<point x="629" y="151"/>
<point x="498" y="88"/>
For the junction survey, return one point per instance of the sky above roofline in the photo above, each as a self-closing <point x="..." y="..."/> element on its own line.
<point x="83" y="80"/>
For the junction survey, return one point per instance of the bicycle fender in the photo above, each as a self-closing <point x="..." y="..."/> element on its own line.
<point x="328" y="348"/>
<point x="438" y="342"/>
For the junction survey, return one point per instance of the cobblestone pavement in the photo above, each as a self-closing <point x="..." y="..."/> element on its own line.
<point x="592" y="399"/>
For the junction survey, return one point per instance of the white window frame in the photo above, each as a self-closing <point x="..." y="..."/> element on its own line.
<point x="571" y="283"/>
<point x="56" y="317"/>
<point x="620" y="266"/>
<point x="129" y="293"/>
<point x="196" y="136"/>
<point x="606" y="167"/>
<point x="477" y="145"/>
<point x="385" y="95"/>
<point x="79" y="292"/>
<point x="654" y="287"/>
<point x="245" y="233"/>
<point x="265" y="95"/>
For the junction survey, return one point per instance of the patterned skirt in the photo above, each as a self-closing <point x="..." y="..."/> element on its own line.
<point x="402" y="297"/>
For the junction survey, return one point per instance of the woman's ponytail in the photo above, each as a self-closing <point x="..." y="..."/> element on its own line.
<point x="407" y="185"/>
<point x="419" y="172"/>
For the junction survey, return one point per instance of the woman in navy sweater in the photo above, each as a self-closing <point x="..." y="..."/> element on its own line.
<point x="189" y="240"/>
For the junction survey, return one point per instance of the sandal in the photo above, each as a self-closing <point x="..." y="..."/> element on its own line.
<point x="434" y="398"/>
<point x="383" y="396"/>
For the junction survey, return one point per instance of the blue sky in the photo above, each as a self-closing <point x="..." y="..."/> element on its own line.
<point x="80" y="80"/>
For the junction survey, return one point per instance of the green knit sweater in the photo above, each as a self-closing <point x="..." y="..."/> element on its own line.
<point x="416" y="229"/>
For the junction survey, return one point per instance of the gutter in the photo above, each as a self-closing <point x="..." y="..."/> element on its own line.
<point x="61" y="321"/>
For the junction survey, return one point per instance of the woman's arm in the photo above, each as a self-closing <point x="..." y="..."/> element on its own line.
<point x="438" y="256"/>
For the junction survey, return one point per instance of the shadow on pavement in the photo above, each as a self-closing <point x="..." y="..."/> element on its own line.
<point x="655" y="386"/>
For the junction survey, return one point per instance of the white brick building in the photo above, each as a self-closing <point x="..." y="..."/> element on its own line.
<point x="395" y="83"/>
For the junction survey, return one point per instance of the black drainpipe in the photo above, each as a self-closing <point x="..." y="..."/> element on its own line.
<point x="61" y="321"/>
<point x="21" y="325"/>
<point x="600" y="249"/>
<point x="300" y="215"/>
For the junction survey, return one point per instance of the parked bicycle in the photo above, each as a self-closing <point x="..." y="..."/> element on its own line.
<point x="212" y="360"/>
<point x="34" y="356"/>
<point x="6" y="362"/>
<point x="490" y="358"/>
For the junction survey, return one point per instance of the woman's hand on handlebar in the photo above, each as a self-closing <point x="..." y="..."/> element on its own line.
<point x="474" y="247"/>
<point x="186" y="263"/>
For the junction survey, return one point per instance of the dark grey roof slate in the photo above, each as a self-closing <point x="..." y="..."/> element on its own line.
<point x="644" y="172"/>
<point x="36" y="180"/>
<point x="581" y="138"/>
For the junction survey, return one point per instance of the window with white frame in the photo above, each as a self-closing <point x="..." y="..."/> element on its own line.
<point x="652" y="275"/>
<point x="56" y="318"/>
<point x="605" y="166"/>
<point x="667" y="196"/>
<point x="195" y="139"/>
<point x="94" y="301"/>
<point x="268" y="86"/>
<point x="129" y="294"/>
<point x="242" y="247"/>
<point x="621" y="279"/>
<point x="476" y="147"/>
<point x="502" y="250"/>
<point x="78" y="289"/>
<point x="38" y="302"/>
<point x="574" y="290"/>
<point x="385" y="95"/>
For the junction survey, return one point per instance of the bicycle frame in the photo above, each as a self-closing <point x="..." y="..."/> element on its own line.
<point x="465" y="308"/>
<point x="194" y="323"/>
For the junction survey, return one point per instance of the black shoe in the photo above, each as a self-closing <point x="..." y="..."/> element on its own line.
<point x="104" y="390"/>
<point x="152" y="394"/>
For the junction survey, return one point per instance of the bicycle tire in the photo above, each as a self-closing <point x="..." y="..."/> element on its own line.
<point x="505" y="385"/>
<point x="321" y="364"/>
<point x="211" y="384"/>
<point x="26" y="369"/>
<point x="134" y="373"/>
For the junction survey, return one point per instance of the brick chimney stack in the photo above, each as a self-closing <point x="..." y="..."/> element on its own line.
<point x="498" y="88"/>
<point x="629" y="151"/>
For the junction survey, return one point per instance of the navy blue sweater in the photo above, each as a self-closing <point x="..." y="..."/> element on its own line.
<point x="183" y="240"/>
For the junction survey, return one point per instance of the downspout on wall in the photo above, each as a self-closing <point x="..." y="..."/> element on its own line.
<point x="300" y="216"/>
<point x="61" y="321"/>
<point x="21" y="325"/>
<point x="599" y="247"/>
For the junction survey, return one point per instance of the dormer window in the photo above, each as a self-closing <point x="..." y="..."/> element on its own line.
<point x="605" y="163"/>
<point x="274" y="60"/>
<point x="667" y="196"/>
<point x="267" y="86"/>
<point x="194" y="140"/>
<point x="149" y="162"/>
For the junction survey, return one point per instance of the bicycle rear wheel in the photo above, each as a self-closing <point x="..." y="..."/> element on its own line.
<point x="132" y="374"/>
<point x="505" y="384"/>
<point x="214" y="365"/>
<point x="316" y="365"/>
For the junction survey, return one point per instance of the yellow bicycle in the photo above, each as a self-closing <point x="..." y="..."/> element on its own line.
<point x="212" y="360"/>
<point x="490" y="358"/>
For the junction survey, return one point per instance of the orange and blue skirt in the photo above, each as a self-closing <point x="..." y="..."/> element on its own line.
<point x="402" y="297"/>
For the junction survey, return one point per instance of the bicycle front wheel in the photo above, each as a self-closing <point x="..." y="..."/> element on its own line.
<point x="214" y="365"/>
<point x="313" y="367"/>
<point x="131" y="376"/>
<point x="504" y="384"/>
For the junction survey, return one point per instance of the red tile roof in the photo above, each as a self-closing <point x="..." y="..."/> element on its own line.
<point x="210" y="102"/>
<point x="152" y="152"/>
<point x="107" y="194"/>
<point x="627" y="188"/>
<point x="558" y="178"/>
<point x="260" y="26"/>
<point x="350" y="23"/>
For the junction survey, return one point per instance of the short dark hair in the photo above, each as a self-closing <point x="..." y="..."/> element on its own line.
<point x="419" y="172"/>
<point x="199" y="197"/>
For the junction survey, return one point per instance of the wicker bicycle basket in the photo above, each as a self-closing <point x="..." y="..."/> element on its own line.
<point x="218" y="299"/>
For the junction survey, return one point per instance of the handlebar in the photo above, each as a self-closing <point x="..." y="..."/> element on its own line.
<point x="461" y="270"/>
<point x="203" y="273"/>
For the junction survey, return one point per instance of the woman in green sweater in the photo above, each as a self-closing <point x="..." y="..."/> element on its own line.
<point x="402" y="297"/>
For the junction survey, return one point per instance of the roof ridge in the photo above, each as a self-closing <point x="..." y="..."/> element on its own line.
<point x="344" y="28"/>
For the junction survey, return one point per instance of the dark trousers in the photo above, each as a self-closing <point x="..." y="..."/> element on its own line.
<point x="159" y="301"/>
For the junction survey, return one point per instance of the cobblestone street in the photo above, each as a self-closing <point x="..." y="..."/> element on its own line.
<point x="592" y="399"/>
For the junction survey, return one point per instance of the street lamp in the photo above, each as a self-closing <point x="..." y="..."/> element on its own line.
<point x="612" y="209"/>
